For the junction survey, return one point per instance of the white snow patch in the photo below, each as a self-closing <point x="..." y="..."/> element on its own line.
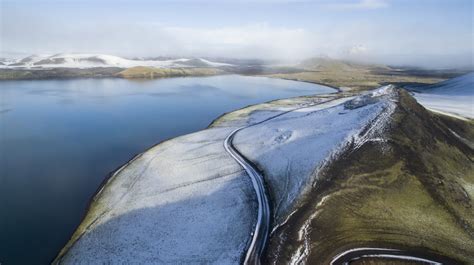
<point x="382" y="91"/>
<point x="454" y="96"/>
<point x="215" y="64"/>
<point x="454" y="106"/>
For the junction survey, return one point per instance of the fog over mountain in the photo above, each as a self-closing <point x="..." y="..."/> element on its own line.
<point x="426" y="33"/>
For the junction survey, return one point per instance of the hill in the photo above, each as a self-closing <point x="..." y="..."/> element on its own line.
<point x="409" y="188"/>
<point x="152" y="72"/>
<point x="330" y="65"/>
<point x="82" y="61"/>
<point x="373" y="171"/>
<point x="358" y="76"/>
<point x="461" y="86"/>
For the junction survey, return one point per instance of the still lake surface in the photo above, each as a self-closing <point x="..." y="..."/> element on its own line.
<point x="59" y="139"/>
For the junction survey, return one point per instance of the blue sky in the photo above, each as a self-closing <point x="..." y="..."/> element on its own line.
<point x="437" y="33"/>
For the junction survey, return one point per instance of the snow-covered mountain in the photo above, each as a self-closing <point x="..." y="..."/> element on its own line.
<point x="73" y="60"/>
<point x="454" y="96"/>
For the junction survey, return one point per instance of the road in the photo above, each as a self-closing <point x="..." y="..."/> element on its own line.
<point x="262" y="228"/>
<point x="393" y="254"/>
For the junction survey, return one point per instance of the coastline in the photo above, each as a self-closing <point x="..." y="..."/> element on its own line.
<point x="247" y="110"/>
<point x="224" y="121"/>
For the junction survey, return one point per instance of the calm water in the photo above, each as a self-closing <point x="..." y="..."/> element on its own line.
<point x="60" y="138"/>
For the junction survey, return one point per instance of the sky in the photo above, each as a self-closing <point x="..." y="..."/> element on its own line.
<point x="426" y="33"/>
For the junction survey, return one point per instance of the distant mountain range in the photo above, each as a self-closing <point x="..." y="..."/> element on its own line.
<point x="324" y="70"/>
<point x="83" y="61"/>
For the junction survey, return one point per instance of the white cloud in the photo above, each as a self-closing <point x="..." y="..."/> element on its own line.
<point x="259" y="40"/>
<point x="360" y="40"/>
<point x="151" y="39"/>
<point x="361" y="4"/>
<point x="357" y="50"/>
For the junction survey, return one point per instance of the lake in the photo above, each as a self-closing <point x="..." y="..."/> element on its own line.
<point x="59" y="139"/>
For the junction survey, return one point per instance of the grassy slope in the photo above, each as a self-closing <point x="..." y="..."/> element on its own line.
<point x="355" y="76"/>
<point x="151" y="72"/>
<point x="101" y="72"/>
<point x="57" y="73"/>
<point x="415" y="192"/>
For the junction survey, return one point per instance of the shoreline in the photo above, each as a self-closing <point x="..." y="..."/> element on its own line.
<point x="111" y="175"/>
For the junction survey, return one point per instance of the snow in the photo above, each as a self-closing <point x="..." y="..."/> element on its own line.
<point x="382" y="91"/>
<point x="183" y="201"/>
<point x="461" y="85"/>
<point x="294" y="147"/>
<point x="456" y="106"/>
<point x="215" y="64"/>
<point x="96" y="60"/>
<point x="454" y="97"/>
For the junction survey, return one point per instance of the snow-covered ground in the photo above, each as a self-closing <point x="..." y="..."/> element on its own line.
<point x="100" y="60"/>
<point x="454" y="97"/>
<point x="184" y="201"/>
<point x="292" y="148"/>
<point x="187" y="201"/>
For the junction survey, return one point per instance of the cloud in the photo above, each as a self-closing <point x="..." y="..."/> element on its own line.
<point x="357" y="50"/>
<point x="361" y="5"/>
<point x="382" y="41"/>
<point x="257" y="40"/>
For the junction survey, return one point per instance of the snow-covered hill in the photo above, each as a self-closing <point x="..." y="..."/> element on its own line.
<point x="454" y="96"/>
<point x="187" y="201"/>
<point x="101" y="60"/>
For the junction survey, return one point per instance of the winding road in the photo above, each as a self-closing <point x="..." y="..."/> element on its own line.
<point x="262" y="228"/>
